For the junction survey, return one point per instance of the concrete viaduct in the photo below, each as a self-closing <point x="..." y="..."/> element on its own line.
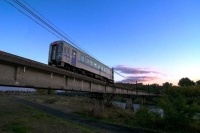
<point x="21" y="72"/>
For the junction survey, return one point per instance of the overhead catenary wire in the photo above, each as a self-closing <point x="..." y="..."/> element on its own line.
<point x="40" y="19"/>
<point x="124" y="76"/>
<point x="30" y="18"/>
<point x="49" y="26"/>
<point x="54" y="29"/>
<point x="73" y="42"/>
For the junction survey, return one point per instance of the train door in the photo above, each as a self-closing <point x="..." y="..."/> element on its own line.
<point x="73" y="61"/>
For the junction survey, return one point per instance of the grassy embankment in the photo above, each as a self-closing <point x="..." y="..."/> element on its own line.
<point x="181" y="107"/>
<point x="18" y="118"/>
<point x="181" y="111"/>
<point x="84" y="107"/>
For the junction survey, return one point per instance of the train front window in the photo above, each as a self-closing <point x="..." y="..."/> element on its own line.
<point x="60" y="48"/>
<point x="54" y="50"/>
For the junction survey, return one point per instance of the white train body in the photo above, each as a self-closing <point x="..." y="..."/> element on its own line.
<point x="62" y="54"/>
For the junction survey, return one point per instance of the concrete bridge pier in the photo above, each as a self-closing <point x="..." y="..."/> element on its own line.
<point x="98" y="104"/>
<point x="144" y="101"/>
<point x="129" y="103"/>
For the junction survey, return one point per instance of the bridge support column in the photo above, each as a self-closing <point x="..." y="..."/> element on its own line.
<point x="129" y="103"/>
<point x="144" y="101"/>
<point x="98" y="104"/>
<point x="17" y="75"/>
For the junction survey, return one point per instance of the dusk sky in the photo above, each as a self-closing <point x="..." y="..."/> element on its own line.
<point x="149" y="41"/>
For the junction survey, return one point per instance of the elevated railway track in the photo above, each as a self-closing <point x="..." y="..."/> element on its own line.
<point x="23" y="72"/>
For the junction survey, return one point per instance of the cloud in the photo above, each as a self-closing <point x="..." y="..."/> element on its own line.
<point x="132" y="79"/>
<point x="130" y="70"/>
<point x="137" y="74"/>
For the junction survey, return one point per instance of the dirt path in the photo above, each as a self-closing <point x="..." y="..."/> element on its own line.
<point x="103" y="127"/>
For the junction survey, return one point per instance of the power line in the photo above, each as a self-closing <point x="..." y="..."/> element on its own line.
<point x="48" y="25"/>
<point x="124" y="76"/>
<point x="70" y="39"/>
<point x="56" y="31"/>
<point x="30" y="18"/>
<point x="51" y="27"/>
<point x="39" y="18"/>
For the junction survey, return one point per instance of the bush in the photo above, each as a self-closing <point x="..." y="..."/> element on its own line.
<point x="147" y="119"/>
<point x="180" y="108"/>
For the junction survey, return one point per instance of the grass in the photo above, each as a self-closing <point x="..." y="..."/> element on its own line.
<point x="18" y="118"/>
<point x="84" y="107"/>
<point x="64" y="103"/>
<point x="17" y="128"/>
<point x="143" y="119"/>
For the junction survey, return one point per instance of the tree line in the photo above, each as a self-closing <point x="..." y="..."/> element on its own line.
<point x="180" y="105"/>
<point x="156" y="88"/>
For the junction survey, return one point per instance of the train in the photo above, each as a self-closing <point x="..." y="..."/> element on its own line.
<point x="66" y="56"/>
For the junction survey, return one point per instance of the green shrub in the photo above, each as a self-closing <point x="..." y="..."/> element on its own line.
<point x="180" y="108"/>
<point x="147" y="119"/>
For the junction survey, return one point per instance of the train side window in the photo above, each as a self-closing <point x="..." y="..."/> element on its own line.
<point x="95" y="64"/>
<point x="91" y="63"/>
<point x="82" y="58"/>
<point x="101" y="68"/>
<point x="87" y="60"/>
<point x="105" y="69"/>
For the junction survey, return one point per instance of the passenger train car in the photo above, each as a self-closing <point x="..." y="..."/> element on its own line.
<point x="62" y="54"/>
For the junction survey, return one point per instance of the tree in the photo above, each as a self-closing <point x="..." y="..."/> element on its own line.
<point x="181" y="107"/>
<point x="185" y="82"/>
<point x="198" y="82"/>
<point x="167" y="85"/>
